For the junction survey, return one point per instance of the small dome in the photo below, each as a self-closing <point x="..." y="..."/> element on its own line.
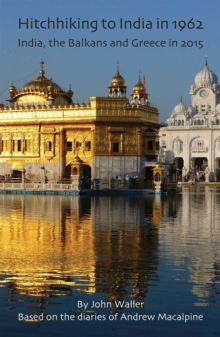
<point x="12" y="88"/>
<point x="206" y="76"/>
<point x="179" y="109"/>
<point x="139" y="87"/>
<point x="117" y="80"/>
<point x="77" y="159"/>
<point x="158" y="165"/>
<point x="70" y="92"/>
<point x="217" y="108"/>
<point x="117" y="87"/>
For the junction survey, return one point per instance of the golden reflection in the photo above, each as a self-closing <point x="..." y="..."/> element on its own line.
<point x="53" y="246"/>
<point x="43" y="244"/>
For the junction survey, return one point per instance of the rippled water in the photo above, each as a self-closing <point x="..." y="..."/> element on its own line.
<point x="160" y="256"/>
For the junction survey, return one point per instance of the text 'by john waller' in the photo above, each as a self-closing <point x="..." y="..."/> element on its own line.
<point x="102" y="304"/>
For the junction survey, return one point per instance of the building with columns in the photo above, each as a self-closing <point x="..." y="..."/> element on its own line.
<point x="191" y="136"/>
<point x="45" y="133"/>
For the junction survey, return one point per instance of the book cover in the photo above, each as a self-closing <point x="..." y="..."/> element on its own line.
<point x="99" y="96"/>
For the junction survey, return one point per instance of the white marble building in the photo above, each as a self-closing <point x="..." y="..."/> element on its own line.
<point x="191" y="136"/>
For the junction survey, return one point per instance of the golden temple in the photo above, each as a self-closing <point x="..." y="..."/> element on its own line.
<point x="45" y="132"/>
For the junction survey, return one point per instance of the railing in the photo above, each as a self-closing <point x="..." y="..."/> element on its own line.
<point x="38" y="186"/>
<point x="63" y="185"/>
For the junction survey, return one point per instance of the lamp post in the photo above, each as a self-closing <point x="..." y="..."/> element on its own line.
<point x="23" y="178"/>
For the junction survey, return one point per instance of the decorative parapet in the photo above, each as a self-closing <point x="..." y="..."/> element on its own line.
<point x="98" y="108"/>
<point x="199" y="149"/>
<point x="36" y="114"/>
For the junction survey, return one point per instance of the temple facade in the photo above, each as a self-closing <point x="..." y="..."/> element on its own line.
<point x="44" y="133"/>
<point x="190" y="138"/>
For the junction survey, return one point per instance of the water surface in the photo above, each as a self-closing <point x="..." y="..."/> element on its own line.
<point x="72" y="261"/>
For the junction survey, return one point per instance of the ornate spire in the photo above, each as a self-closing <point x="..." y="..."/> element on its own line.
<point x="117" y="67"/>
<point x="42" y="65"/>
<point x="12" y="90"/>
<point x="42" y="72"/>
<point x="139" y="76"/>
<point x="206" y="60"/>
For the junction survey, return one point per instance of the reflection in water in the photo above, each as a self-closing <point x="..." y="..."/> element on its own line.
<point x="195" y="236"/>
<point x="55" y="246"/>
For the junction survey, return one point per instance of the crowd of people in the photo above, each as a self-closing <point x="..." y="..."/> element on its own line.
<point x="195" y="175"/>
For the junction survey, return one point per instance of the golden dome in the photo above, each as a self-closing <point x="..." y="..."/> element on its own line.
<point x="41" y="82"/>
<point x="77" y="159"/>
<point x="158" y="165"/>
<point x="139" y="87"/>
<point x="40" y="91"/>
<point x="117" y="80"/>
<point x="139" y="92"/>
<point x="117" y="87"/>
<point x="12" y="90"/>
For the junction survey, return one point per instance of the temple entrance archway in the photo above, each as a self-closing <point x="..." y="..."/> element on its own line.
<point x="199" y="163"/>
<point x="179" y="163"/>
<point x="87" y="171"/>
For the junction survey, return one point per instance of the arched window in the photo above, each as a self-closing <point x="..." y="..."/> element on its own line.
<point x="195" y="122"/>
<point x="88" y="145"/>
<point x="75" y="171"/>
<point x="179" y="123"/>
<point x="157" y="177"/>
<point x="199" y="143"/>
<point x="178" y="146"/>
<point x="202" y="122"/>
<point x="48" y="146"/>
<point x="182" y="122"/>
<point x="217" y="121"/>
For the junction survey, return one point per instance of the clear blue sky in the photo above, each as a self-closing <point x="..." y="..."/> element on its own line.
<point x="169" y="71"/>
